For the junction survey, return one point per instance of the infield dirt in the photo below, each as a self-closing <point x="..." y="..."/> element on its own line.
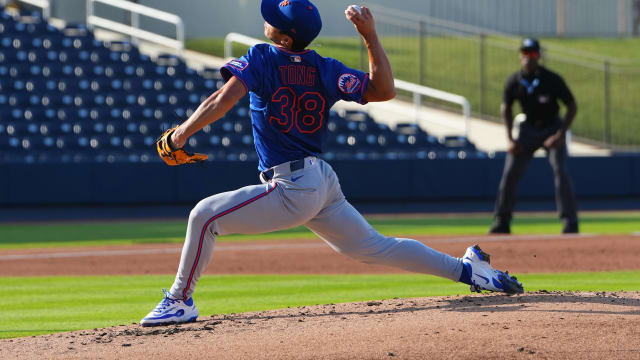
<point x="539" y="325"/>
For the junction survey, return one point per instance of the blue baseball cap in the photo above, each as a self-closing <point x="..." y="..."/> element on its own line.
<point x="299" y="19"/>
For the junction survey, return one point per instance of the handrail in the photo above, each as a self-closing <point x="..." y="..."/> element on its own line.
<point x="134" y="30"/>
<point x="45" y="5"/>
<point x="417" y="90"/>
<point x="235" y="37"/>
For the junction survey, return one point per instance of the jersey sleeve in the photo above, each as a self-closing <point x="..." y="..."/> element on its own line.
<point x="344" y="83"/>
<point x="563" y="92"/>
<point x="246" y="69"/>
<point x="510" y="90"/>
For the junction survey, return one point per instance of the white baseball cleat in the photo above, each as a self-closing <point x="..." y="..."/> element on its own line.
<point x="485" y="277"/>
<point x="171" y="311"/>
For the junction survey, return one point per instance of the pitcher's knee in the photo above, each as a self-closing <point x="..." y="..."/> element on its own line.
<point x="200" y="215"/>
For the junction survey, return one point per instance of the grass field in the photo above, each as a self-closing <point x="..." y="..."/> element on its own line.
<point x="43" y="305"/>
<point x="477" y="69"/>
<point x="83" y="234"/>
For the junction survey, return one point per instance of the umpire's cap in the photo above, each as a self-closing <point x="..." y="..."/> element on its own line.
<point x="299" y="19"/>
<point x="530" y="44"/>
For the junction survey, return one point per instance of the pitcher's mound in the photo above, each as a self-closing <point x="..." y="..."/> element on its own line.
<point x="543" y="324"/>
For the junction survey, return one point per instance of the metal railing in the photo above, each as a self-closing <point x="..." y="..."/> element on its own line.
<point x="43" y="4"/>
<point x="415" y="89"/>
<point x="419" y="90"/>
<point x="134" y="30"/>
<point x="464" y="60"/>
<point x="239" y="38"/>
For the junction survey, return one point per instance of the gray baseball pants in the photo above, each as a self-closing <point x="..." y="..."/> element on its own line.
<point x="306" y="194"/>
<point x="531" y="139"/>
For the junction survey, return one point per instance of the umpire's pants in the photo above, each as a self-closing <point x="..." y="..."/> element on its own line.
<point x="531" y="139"/>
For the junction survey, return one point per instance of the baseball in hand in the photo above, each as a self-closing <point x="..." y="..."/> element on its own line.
<point x="357" y="8"/>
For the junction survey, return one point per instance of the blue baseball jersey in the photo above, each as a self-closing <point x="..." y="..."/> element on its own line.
<point x="291" y="94"/>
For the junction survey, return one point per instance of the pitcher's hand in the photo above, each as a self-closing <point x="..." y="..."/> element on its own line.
<point x="363" y="20"/>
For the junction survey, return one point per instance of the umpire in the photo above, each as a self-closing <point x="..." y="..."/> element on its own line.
<point x="537" y="90"/>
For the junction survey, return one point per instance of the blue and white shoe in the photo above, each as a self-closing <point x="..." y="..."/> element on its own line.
<point x="171" y="311"/>
<point x="485" y="277"/>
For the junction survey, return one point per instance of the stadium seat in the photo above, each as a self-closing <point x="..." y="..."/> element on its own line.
<point x="35" y="114"/>
<point x="457" y="143"/>
<point x="51" y="99"/>
<point x="132" y="85"/>
<point x="107" y="102"/>
<point x="19" y="99"/>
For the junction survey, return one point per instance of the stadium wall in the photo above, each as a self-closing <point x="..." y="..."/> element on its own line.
<point x="392" y="181"/>
<point x="207" y="18"/>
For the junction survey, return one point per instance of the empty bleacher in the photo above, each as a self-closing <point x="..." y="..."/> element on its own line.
<point x="67" y="97"/>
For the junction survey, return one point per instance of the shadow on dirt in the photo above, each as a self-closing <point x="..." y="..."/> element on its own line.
<point x="628" y="303"/>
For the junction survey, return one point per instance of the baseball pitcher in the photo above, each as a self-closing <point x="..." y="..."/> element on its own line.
<point x="291" y="90"/>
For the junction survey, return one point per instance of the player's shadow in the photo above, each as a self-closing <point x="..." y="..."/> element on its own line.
<point x="503" y="303"/>
<point x="476" y="303"/>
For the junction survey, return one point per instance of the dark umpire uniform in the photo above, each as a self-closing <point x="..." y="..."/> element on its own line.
<point x="537" y="90"/>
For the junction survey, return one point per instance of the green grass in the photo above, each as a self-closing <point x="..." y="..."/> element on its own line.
<point x="456" y="64"/>
<point x="43" y="305"/>
<point x="14" y="236"/>
<point x="620" y="48"/>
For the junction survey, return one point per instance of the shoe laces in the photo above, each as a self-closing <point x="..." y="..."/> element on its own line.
<point x="167" y="301"/>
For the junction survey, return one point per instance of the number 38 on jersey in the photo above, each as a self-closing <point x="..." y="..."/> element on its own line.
<point x="305" y="112"/>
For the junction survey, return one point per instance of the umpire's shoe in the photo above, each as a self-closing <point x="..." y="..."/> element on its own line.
<point x="485" y="277"/>
<point x="500" y="227"/>
<point x="570" y="228"/>
<point x="171" y="311"/>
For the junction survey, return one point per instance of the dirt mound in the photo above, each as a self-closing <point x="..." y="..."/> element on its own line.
<point x="543" y="324"/>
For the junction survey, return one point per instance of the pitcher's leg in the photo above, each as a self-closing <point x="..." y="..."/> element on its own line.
<point x="249" y="210"/>
<point x="347" y="232"/>
<point x="565" y="197"/>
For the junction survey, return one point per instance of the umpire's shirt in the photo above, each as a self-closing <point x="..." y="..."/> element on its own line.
<point x="538" y="95"/>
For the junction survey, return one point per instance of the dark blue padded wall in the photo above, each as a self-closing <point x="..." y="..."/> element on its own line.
<point x="412" y="180"/>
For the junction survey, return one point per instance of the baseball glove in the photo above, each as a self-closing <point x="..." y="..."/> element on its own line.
<point x="175" y="156"/>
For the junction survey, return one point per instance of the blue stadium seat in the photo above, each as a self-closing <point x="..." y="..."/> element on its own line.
<point x="20" y="70"/>
<point x="99" y="55"/>
<point x="16" y="128"/>
<point x="151" y="128"/>
<point x="457" y="143"/>
<point x="146" y="98"/>
<point x="52" y="70"/>
<point x="51" y="99"/>
<point x="48" y="143"/>
<point x="131" y="127"/>
<point x="146" y="70"/>
<point x="80" y="43"/>
<point x="72" y="57"/>
<point x="8" y="143"/>
<point x="133" y="141"/>
<point x="98" y="127"/>
<point x="8" y="56"/>
<point x="114" y="127"/>
<point x="19" y="99"/>
<point x="35" y="114"/>
<point x="132" y="85"/>
<point x="77" y="30"/>
<point x="78" y="70"/>
<point x="66" y="113"/>
<point x="42" y="56"/>
<point x="100" y="113"/>
<point x="49" y="41"/>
